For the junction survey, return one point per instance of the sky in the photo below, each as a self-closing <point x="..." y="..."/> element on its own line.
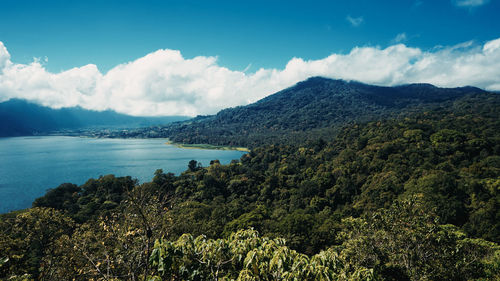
<point x="197" y="57"/>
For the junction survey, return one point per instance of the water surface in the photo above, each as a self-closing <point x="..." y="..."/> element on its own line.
<point x="31" y="165"/>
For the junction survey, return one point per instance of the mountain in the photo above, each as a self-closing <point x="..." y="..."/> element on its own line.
<point x="314" y="108"/>
<point x="22" y="118"/>
<point x="410" y="198"/>
<point x="411" y="195"/>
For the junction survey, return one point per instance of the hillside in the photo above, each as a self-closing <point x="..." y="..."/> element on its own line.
<point x="314" y="108"/>
<point x="404" y="186"/>
<point x="408" y="198"/>
<point x="22" y="118"/>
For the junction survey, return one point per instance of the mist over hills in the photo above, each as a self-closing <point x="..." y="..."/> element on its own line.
<point x="22" y="118"/>
<point x="316" y="107"/>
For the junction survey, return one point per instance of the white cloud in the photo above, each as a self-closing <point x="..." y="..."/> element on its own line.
<point x="4" y="57"/>
<point x="355" y="21"/>
<point x="470" y="3"/>
<point x="166" y="83"/>
<point x="401" y="37"/>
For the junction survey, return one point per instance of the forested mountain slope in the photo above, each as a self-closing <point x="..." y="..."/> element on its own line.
<point x="408" y="198"/>
<point x="451" y="156"/>
<point x="312" y="108"/>
<point x="22" y="118"/>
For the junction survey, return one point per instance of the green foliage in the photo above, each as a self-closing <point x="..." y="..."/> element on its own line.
<point x="28" y="237"/>
<point x="244" y="255"/>
<point x="312" y="109"/>
<point x="302" y="192"/>
<point x="405" y="242"/>
<point x="94" y="198"/>
<point x="410" y="198"/>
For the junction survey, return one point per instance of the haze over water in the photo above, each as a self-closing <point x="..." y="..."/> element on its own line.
<point x="31" y="165"/>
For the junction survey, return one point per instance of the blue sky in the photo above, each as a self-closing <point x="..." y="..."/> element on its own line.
<point x="261" y="33"/>
<point x="192" y="57"/>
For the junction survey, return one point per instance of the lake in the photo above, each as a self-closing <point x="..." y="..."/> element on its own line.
<point x="31" y="165"/>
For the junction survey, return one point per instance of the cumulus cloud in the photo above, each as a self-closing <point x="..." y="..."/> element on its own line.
<point x="470" y="3"/>
<point x="355" y="21"/>
<point x="166" y="83"/>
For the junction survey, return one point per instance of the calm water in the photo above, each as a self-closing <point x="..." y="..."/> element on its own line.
<point x="31" y="165"/>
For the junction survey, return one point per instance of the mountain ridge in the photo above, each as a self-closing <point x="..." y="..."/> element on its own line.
<point x="313" y="108"/>
<point x="23" y="118"/>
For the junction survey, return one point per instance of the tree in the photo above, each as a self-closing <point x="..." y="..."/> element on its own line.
<point x="406" y="242"/>
<point x="116" y="246"/>
<point x="247" y="256"/>
<point x="193" y="165"/>
<point x="30" y="236"/>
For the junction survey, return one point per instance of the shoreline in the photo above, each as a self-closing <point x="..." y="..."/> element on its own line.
<point x="168" y="142"/>
<point x="206" y="146"/>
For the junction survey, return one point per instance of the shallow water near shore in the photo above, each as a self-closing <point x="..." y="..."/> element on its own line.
<point x="31" y="165"/>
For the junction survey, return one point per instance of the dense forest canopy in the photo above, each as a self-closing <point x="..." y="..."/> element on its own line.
<point x="312" y="109"/>
<point x="408" y="196"/>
